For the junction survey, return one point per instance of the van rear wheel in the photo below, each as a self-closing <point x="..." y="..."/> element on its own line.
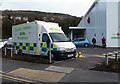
<point x="86" y="45"/>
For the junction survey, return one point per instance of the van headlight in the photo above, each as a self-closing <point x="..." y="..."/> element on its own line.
<point x="74" y="48"/>
<point x="61" y="49"/>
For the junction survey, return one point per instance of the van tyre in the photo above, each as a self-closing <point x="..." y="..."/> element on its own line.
<point x="86" y="45"/>
<point x="56" y="58"/>
<point x="53" y="57"/>
<point x="48" y="57"/>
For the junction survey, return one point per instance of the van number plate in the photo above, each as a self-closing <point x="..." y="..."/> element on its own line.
<point x="70" y="55"/>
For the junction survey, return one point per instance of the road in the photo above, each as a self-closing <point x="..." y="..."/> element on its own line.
<point x="79" y="68"/>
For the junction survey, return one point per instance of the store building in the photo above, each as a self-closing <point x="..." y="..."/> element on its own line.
<point x="101" y="20"/>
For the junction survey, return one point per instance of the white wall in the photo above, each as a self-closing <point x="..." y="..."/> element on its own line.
<point x="119" y="22"/>
<point x="97" y="22"/>
<point x="104" y="22"/>
<point x="100" y="22"/>
<point x="90" y="28"/>
<point x="112" y="23"/>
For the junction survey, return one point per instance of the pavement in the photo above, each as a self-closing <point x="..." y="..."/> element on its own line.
<point x="77" y="75"/>
<point x="71" y="70"/>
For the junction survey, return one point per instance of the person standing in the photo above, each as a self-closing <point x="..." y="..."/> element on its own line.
<point x="94" y="41"/>
<point x="103" y="42"/>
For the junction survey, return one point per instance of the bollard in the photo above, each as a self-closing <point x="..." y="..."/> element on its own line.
<point x="11" y="53"/>
<point x="116" y="55"/>
<point x="107" y="60"/>
<point x="50" y="57"/>
<point x="76" y="54"/>
<point x="79" y="55"/>
<point x="5" y="51"/>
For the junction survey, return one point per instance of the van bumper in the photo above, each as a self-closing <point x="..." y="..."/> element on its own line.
<point x="64" y="54"/>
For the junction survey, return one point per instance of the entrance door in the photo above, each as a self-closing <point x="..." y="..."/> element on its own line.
<point x="79" y="33"/>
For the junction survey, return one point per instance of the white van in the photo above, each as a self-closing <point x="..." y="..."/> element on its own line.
<point x="38" y="37"/>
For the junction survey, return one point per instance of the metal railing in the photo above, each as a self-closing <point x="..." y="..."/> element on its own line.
<point x="114" y="54"/>
<point x="11" y="50"/>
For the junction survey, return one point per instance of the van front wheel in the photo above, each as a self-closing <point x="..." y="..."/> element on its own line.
<point x="52" y="56"/>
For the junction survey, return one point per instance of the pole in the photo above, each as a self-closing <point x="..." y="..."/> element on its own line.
<point x="5" y="51"/>
<point x="71" y="34"/>
<point x="50" y="57"/>
<point x="11" y="52"/>
<point x="106" y="59"/>
<point x="116" y="56"/>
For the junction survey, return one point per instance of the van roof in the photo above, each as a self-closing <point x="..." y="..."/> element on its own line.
<point x="50" y="26"/>
<point x="47" y="23"/>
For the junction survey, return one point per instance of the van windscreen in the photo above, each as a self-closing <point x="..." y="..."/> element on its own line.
<point x="59" y="37"/>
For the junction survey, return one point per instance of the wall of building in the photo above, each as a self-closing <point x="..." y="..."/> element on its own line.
<point x="90" y="27"/>
<point x="97" y="25"/>
<point x="112" y="24"/>
<point x="1" y="25"/>
<point x="100" y="22"/>
<point x="119" y="22"/>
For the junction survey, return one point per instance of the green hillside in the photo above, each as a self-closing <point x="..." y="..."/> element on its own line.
<point x="11" y="18"/>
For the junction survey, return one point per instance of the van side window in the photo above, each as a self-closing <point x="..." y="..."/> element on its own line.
<point x="39" y="35"/>
<point x="45" y="38"/>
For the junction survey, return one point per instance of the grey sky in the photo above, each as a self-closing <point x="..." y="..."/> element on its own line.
<point x="72" y="7"/>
